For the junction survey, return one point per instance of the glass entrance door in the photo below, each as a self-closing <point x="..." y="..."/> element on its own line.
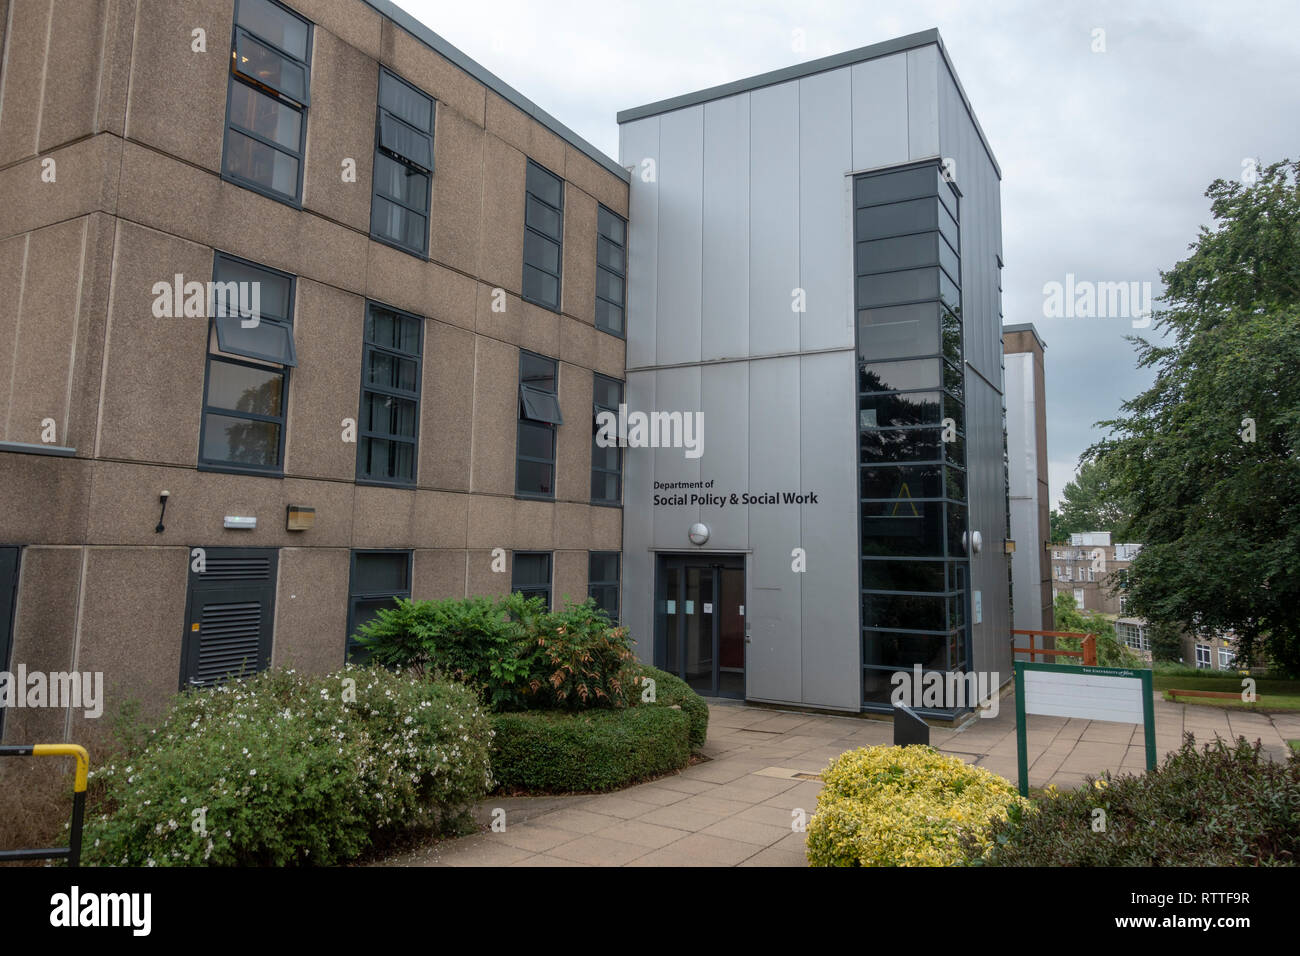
<point x="700" y="622"/>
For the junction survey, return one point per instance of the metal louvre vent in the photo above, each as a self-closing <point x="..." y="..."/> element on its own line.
<point x="229" y="642"/>
<point x="251" y="568"/>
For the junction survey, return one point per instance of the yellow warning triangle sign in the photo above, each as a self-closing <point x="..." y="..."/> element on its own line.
<point x="905" y="492"/>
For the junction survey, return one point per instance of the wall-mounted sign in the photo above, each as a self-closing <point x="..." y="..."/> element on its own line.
<point x="978" y="598"/>
<point x="240" y="522"/>
<point x="708" y="609"/>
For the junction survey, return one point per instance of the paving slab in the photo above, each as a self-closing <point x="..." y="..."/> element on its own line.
<point x="735" y="808"/>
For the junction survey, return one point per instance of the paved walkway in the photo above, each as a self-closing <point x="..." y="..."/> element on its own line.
<point x="737" y="807"/>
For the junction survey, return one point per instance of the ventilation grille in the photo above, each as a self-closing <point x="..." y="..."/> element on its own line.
<point x="229" y="641"/>
<point x="248" y="568"/>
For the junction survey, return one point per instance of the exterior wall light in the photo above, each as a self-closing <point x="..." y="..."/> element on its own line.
<point x="699" y="533"/>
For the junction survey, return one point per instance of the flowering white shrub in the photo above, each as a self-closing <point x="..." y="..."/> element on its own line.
<point x="282" y="769"/>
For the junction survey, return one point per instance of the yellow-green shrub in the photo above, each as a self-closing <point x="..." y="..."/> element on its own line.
<point x="905" y="806"/>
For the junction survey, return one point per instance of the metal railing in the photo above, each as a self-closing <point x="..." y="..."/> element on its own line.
<point x="71" y="852"/>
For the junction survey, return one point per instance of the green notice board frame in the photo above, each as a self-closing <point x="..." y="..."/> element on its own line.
<point x="1094" y="701"/>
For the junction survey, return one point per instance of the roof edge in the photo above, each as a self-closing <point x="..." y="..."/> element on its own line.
<point x="477" y="71"/>
<point x="784" y="74"/>
<point x="1025" y="327"/>
<point x="835" y="61"/>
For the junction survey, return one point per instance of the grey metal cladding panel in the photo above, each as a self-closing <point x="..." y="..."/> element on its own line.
<point x="725" y="250"/>
<point x="880" y="112"/>
<point x="826" y="210"/>
<point x="676" y="390"/>
<point x="681" y="211"/>
<point x="637" y="142"/>
<point x="923" y="102"/>
<point x="828" y="462"/>
<point x="774" y="669"/>
<point x="638" y="524"/>
<point x="773" y="218"/>
<point x="724" y="401"/>
<point x="977" y="179"/>
<point x="988" y="516"/>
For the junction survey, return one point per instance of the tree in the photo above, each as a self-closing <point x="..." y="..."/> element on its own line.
<point x="1090" y="502"/>
<point x="1110" y="651"/>
<point x="1209" y="456"/>
<point x="1166" y="641"/>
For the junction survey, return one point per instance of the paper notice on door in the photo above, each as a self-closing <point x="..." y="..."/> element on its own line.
<point x="742" y="610"/>
<point x="690" y="607"/>
<point x="708" y="609"/>
<point x="671" y="608"/>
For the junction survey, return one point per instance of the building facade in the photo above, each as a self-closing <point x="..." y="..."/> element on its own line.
<point x="191" y="489"/>
<point x="311" y="312"/>
<point x="1023" y="360"/>
<point x="814" y="277"/>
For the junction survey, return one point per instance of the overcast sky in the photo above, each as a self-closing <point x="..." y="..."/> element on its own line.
<point x="1105" y="156"/>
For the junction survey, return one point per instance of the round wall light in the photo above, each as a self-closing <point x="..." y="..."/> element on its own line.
<point x="699" y="533"/>
<point x="972" y="541"/>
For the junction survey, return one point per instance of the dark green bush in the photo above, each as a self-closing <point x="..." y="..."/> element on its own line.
<point x="671" y="689"/>
<point x="282" y="769"/>
<point x="559" y="752"/>
<point x="514" y="651"/>
<point x="1222" y="805"/>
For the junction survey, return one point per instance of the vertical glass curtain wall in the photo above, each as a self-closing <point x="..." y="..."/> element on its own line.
<point x="912" y="427"/>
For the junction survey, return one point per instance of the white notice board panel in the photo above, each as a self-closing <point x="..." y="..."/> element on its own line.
<point x="1092" y="697"/>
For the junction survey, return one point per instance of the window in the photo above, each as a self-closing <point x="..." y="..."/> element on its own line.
<point x="266" y="109"/>
<point x="399" y="206"/>
<point x="543" y="235"/>
<point x="539" y="414"/>
<point x="1202" y="655"/>
<point x="606" y="462"/>
<point x="390" y="396"/>
<point x="531" y="574"/>
<point x="250" y="351"/>
<point x="611" y="271"/>
<point x="1226" y="658"/>
<point x="378" y="579"/>
<point x="1078" y="598"/>
<point x="602" y="581"/>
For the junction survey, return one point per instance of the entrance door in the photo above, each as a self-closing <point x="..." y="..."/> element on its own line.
<point x="700" y="622"/>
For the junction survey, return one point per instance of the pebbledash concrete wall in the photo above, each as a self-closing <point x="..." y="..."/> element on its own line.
<point x="133" y="118"/>
<point x="741" y="195"/>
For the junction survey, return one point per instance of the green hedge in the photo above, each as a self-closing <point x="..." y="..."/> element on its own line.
<point x="671" y="689"/>
<point x="549" y="751"/>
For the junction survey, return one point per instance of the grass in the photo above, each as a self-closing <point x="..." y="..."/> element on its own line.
<point x="1272" y="693"/>
<point x="1295" y="745"/>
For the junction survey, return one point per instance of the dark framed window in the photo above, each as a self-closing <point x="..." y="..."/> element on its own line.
<point x="611" y="272"/>
<point x="246" y="385"/>
<point x="539" y="416"/>
<point x="267" y="99"/>
<point x="377" y="580"/>
<point x="606" y="462"/>
<point x="602" y="581"/>
<point x="389" y="420"/>
<point x="913" y="488"/>
<point x="530" y="574"/>
<point x="399" y="204"/>
<point x="543" y="236"/>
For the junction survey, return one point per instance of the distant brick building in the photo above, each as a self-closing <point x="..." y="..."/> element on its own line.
<point x="1094" y="572"/>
